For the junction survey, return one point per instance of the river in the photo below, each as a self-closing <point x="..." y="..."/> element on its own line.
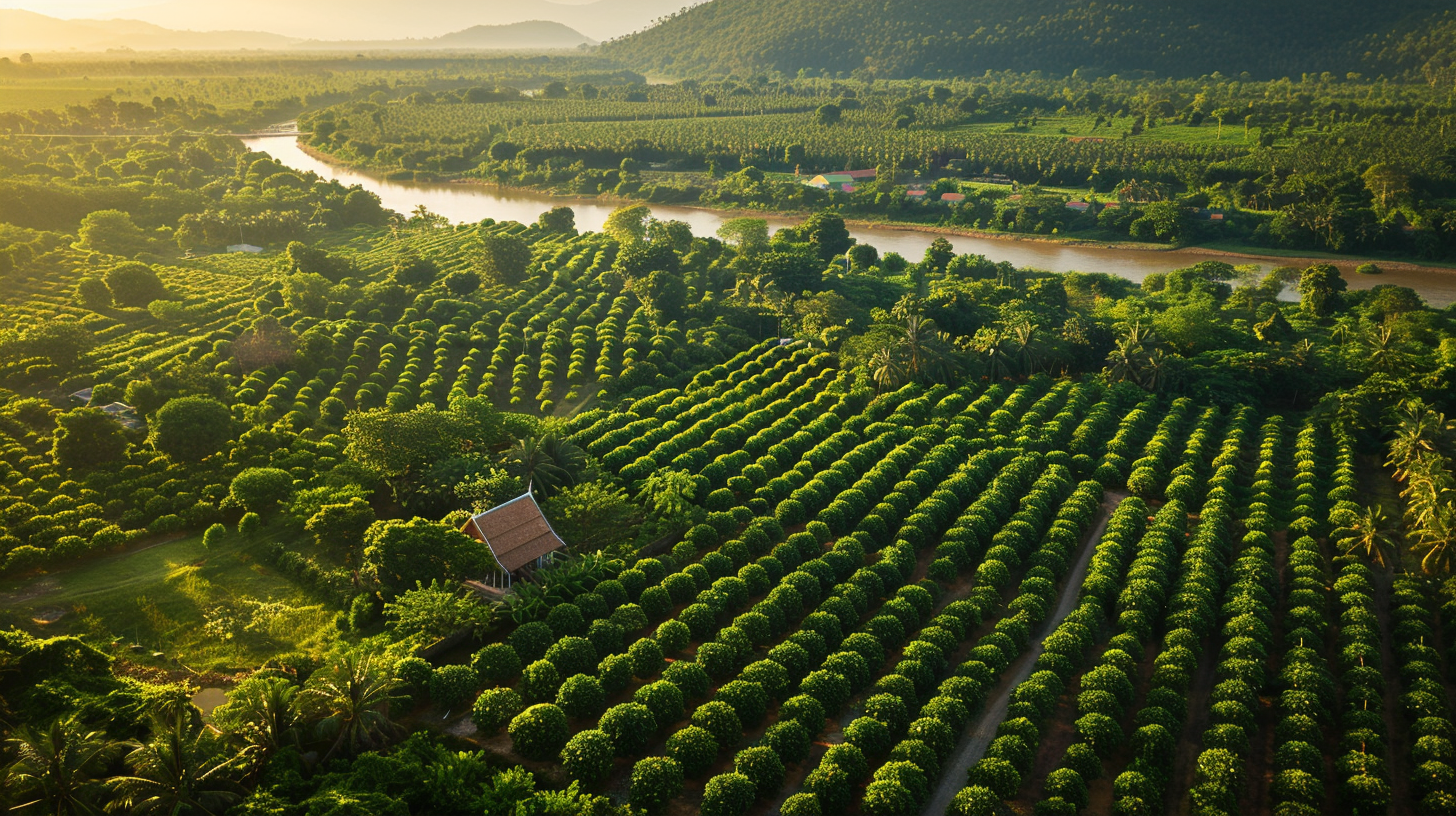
<point x="475" y="202"/>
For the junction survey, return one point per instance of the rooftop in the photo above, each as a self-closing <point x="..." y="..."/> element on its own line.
<point x="516" y="532"/>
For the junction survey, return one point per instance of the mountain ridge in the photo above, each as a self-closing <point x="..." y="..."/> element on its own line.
<point x="30" y="31"/>
<point x="936" y="38"/>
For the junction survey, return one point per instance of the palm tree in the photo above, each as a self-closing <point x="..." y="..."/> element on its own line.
<point x="1420" y="433"/>
<point x="761" y="292"/>
<point x="548" y="462"/>
<point x="1372" y="535"/>
<point x="1028" y="354"/>
<point x="996" y="345"/>
<point x="1125" y="361"/>
<point x="263" y="714"/>
<point x="351" y="698"/>
<point x="886" y="369"/>
<point x="1383" y="353"/>
<point x="181" y="769"/>
<point x="1436" y="541"/>
<point x="1155" y="370"/>
<point x="57" y="768"/>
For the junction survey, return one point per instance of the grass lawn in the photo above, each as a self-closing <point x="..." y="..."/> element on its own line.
<point x="210" y="610"/>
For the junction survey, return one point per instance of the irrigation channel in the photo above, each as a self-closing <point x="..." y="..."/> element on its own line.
<point x="474" y="202"/>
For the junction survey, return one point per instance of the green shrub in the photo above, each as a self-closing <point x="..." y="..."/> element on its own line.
<point x="789" y="739"/>
<point x="572" y="655"/>
<point x="721" y="720"/>
<point x="496" y="663"/>
<point x="539" y="681"/>
<point x="801" y="804"/>
<point x="663" y="699"/>
<point x="673" y="636"/>
<point x="655" y="782"/>
<point x="694" y="748"/>
<point x="631" y="726"/>
<point x="587" y="756"/>
<point x="452" y="685"/>
<point x="729" y="794"/>
<point x="581" y="696"/>
<point x="689" y="677"/>
<point x="495" y="708"/>
<point x="646" y="656"/>
<point x="615" y="672"/>
<point x="748" y="700"/>
<point x="539" y="732"/>
<point x="531" y="640"/>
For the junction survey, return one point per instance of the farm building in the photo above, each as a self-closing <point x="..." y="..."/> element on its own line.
<point x="519" y="537"/>
<point x="844" y="180"/>
<point x="248" y="248"/>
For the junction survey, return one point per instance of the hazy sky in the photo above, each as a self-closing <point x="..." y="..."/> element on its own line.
<point x="74" y="8"/>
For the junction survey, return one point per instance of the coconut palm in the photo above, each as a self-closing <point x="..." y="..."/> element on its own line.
<point x="183" y="768"/>
<point x="1371" y="534"/>
<point x="351" y="697"/>
<point x="262" y="714"/>
<point x="1125" y="361"/>
<point x="1026" y="347"/>
<point x="1436" y="541"/>
<point x="56" y="769"/>
<point x="548" y="463"/>
<point x="885" y="368"/>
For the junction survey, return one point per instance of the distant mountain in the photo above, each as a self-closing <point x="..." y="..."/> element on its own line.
<point x="28" y="31"/>
<point x="929" y="38"/>
<point x="334" y="20"/>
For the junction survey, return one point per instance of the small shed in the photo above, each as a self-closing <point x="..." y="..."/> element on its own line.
<point x="125" y="415"/>
<point x="248" y="248"/>
<point x="519" y="538"/>
<point x="82" y="397"/>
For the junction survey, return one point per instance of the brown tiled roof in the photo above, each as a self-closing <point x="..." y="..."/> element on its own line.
<point x="516" y="532"/>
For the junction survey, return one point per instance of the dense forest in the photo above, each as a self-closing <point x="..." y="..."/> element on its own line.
<point x="964" y="38"/>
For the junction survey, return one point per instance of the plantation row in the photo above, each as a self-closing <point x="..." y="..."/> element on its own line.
<point x="325" y="353"/>
<point x="745" y="672"/>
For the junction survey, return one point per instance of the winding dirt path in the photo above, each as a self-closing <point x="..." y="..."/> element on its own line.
<point x="982" y="731"/>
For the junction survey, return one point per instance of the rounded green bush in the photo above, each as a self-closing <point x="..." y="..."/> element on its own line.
<point x="647" y="659"/>
<point x="789" y="739"/>
<point x="975" y="800"/>
<point x="748" y="700"/>
<point x="566" y="620"/>
<point x="497" y="663"/>
<point x="729" y="794"/>
<point x="763" y="766"/>
<point x="804" y="709"/>
<point x="615" y="672"/>
<point x="721" y="720"/>
<point x="588" y="756"/>
<point x="830" y="689"/>
<point x="452" y="685"/>
<point x="689" y="677"/>
<point x="801" y="804"/>
<point x="581" y="696"/>
<point x="531" y="640"/>
<point x="631" y="726"/>
<point x="655" y="782"/>
<point x="539" y="681"/>
<point x="663" y="699"/>
<point x="694" y="748"/>
<point x="495" y="708"/>
<point x="870" y="736"/>
<point x="673" y="636"/>
<point x="539" y="732"/>
<point x="572" y="655"/>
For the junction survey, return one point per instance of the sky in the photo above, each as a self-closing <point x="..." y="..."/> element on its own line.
<point x="74" y="8"/>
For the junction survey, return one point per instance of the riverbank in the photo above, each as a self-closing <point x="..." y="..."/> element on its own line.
<point x="1259" y="255"/>
<point x="466" y="201"/>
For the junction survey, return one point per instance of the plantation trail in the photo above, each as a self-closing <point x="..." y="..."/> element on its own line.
<point x="833" y="734"/>
<point x="1261" y="746"/>
<point x="973" y="745"/>
<point x="40" y="585"/>
<point x="1396" y="758"/>
<point x="1190" y="740"/>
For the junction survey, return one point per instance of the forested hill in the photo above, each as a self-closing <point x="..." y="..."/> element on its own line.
<point x="929" y="38"/>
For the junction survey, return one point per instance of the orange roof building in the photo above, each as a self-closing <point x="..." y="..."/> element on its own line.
<point x="517" y="534"/>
